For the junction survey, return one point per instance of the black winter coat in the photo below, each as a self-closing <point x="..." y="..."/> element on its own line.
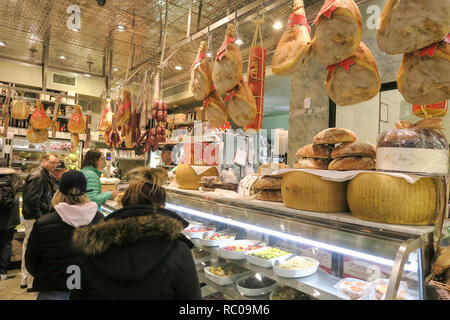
<point x="49" y="252"/>
<point x="10" y="217"/>
<point x="137" y="254"/>
<point x="40" y="186"/>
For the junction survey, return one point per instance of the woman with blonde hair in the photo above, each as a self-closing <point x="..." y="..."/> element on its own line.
<point x="138" y="252"/>
<point x="49" y="251"/>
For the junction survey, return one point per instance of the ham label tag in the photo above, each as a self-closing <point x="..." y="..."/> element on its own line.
<point x="297" y="20"/>
<point x="327" y="9"/>
<point x="430" y="50"/>
<point x="447" y="39"/>
<point x="222" y="49"/>
<point x="230" y="94"/>
<point x="344" y="65"/>
<point x="198" y="61"/>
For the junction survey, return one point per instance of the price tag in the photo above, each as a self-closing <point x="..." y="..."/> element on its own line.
<point x="240" y="158"/>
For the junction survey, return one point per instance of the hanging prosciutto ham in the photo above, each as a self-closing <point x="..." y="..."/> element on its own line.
<point x="106" y="116"/>
<point x="77" y="123"/>
<point x="39" y="120"/>
<point x="124" y="112"/>
<point x="215" y="110"/>
<point x="353" y="80"/>
<point x="201" y="78"/>
<point x="424" y="75"/>
<point x="37" y="136"/>
<point x="20" y="110"/>
<point x="410" y="25"/>
<point x="227" y="71"/>
<point x="112" y="136"/>
<point x="241" y="105"/>
<point x="295" y="44"/>
<point x="338" y="32"/>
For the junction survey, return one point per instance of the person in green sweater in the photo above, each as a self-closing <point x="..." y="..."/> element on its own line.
<point x="91" y="167"/>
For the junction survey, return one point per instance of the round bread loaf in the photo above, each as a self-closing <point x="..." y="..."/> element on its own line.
<point x="269" y="195"/>
<point x="311" y="163"/>
<point x="272" y="183"/>
<point x="352" y="163"/>
<point x="314" y="151"/>
<point x="334" y="135"/>
<point x="354" y="149"/>
<point x="273" y="165"/>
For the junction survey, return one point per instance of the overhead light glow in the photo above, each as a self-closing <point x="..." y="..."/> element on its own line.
<point x="209" y="54"/>
<point x="121" y="28"/>
<point x="239" y="42"/>
<point x="178" y="68"/>
<point x="2" y="44"/>
<point x="116" y="69"/>
<point x="87" y="75"/>
<point x="294" y="238"/>
<point x="277" y="25"/>
<point x="62" y="57"/>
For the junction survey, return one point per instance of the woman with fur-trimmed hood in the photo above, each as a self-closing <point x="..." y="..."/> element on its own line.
<point x="138" y="252"/>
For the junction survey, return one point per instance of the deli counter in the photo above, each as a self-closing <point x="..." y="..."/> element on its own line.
<point x="347" y="248"/>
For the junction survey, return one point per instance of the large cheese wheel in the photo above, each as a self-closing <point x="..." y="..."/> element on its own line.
<point x="386" y="199"/>
<point x="304" y="191"/>
<point x="187" y="178"/>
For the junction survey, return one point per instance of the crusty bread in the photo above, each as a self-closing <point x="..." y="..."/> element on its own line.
<point x="268" y="183"/>
<point x="354" y="149"/>
<point x="334" y="135"/>
<point x="269" y="195"/>
<point x="311" y="163"/>
<point x="314" y="151"/>
<point x="352" y="163"/>
<point x="273" y="165"/>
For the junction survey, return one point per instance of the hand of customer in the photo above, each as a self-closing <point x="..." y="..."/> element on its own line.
<point x="115" y="193"/>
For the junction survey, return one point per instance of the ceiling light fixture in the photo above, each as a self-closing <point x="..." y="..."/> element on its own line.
<point x="277" y="25"/>
<point x="2" y="44"/>
<point x="121" y="28"/>
<point x="239" y="42"/>
<point x="209" y="54"/>
<point x="116" y="69"/>
<point x="178" y="68"/>
<point x="87" y="75"/>
<point x="62" y="57"/>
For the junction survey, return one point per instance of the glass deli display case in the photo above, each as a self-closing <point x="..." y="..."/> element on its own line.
<point x="356" y="259"/>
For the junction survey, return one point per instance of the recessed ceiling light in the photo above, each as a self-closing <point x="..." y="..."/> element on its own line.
<point x="178" y="68"/>
<point x="239" y="42"/>
<point x="87" y="75"/>
<point x="116" y="69"/>
<point x="121" y="28"/>
<point x="277" y="25"/>
<point x="2" y="44"/>
<point x="209" y="54"/>
<point x="62" y="57"/>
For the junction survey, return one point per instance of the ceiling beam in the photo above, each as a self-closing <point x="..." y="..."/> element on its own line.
<point x="45" y="54"/>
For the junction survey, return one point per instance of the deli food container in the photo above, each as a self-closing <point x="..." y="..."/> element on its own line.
<point x="255" y="285"/>
<point x="224" y="280"/>
<point x="296" y="267"/>
<point x="197" y="232"/>
<point x="226" y="251"/>
<point x="214" y="239"/>
<point x="266" y="263"/>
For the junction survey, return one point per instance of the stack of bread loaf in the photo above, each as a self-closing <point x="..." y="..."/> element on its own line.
<point x="269" y="188"/>
<point x="350" y="154"/>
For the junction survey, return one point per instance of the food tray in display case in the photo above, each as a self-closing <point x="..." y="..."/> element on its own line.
<point x="277" y="253"/>
<point x="296" y="267"/>
<point x="214" y="239"/>
<point x="253" y="286"/>
<point x="196" y="232"/>
<point x="225" y="280"/>
<point x="236" y="249"/>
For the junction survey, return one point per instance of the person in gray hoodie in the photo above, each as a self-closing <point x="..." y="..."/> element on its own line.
<point x="49" y="252"/>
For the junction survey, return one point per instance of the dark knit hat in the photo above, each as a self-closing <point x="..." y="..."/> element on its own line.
<point x="73" y="179"/>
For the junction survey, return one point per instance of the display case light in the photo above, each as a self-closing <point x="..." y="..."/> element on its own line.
<point x="294" y="238"/>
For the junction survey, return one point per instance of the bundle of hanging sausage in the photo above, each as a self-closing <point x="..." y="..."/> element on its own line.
<point x="156" y="131"/>
<point x="295" y="44"/>
<point x="352" y="70"/>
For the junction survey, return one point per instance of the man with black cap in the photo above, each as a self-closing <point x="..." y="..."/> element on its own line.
<point x="49" y="251"/>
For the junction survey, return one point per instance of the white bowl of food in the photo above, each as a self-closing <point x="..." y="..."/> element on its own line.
<point x="196" y="232"/>
<point x="256" y="285"/>
<point x="296" y="267"/>
<point x="236" y="249"/>
<point x="225" y="275"/>
<point x="214" y="239"/>
<point x="266" y="257"/>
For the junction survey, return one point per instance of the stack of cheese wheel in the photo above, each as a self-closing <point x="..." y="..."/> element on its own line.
<point x="187" y="177"/>
<point x="269" y="188"/>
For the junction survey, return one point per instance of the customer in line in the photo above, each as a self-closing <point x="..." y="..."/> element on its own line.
<point x="138" y="252"/>
<point x="40" y="186"/>
<point x="10" y="184"/>
<point x="92" y="167"/>
<point x="49" y="251"/>
<point x="60" y="170"/>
